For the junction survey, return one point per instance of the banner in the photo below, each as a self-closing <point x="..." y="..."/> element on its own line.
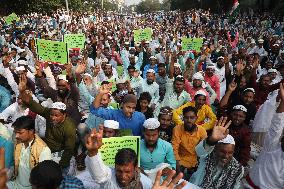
<point x="53" y="51"/>
<point x="192" y="44"/>
<point x="143" y="34"/>
<point x="75" y="41"/>
<point x="12" y="17"/>
<point x="111" y="146"/>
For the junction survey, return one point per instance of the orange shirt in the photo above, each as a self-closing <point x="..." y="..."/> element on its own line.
<point x="184" y="144"/>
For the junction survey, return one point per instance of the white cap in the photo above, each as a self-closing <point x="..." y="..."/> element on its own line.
<point x="22" y="62"/>
<point x="151" y="71"/>
<point x="198" y="75"/>
<point x="151" y="123"/>
<point x="240" y="107"/>
<point x="177" y="65"/>
<point x="260" y="40"/>
<point x="126" y="43"/>
<point x="271" y="70"/>
<point x="120" y="80"/>
<point x="58" y="105"/>
<point x="87" y="74"/>
<point x="228" y="140"/>
<point x="21" y="68"/>
<point x="104" y="60"/>
<point x="153" y="57"/>
<point x="200" y="92"/>
<point x="250" y="89"/>
<point x="62" y="77"/>
<point x="147" y="42"/>
<point x="111" y="124"/>
<point x="252" y="41"/>
<point x="220" y="57"/>
<point x="21" y="50"/>
<point x="210" y="66"/>
<point x="275" y="44"/>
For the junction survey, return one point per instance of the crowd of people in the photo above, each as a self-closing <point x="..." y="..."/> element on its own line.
<point x="211" y="118"/>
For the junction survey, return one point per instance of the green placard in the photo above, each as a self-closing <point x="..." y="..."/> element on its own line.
<point x="112" y="145"/>
<point x="53" y="51"/>
<point x="119" y="70"/>
<point x="143" y="34"/>
<point x="192" y="44"/>
<point x="12" y="17"/>
<point x="75" y="41"/>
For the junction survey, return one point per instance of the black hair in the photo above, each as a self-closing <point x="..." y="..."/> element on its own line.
<point x="198" y="95"/>
<point x="24" y="122"/>
<point x="125" y="156"/>
<point x="189" y="109"/>
<point x="46" y="175"/>
<point x="180" y="79"/>
<point x="161" y="65"/>
<point x="130" y="67"/>
<point x="105" y="83"/>
<point x="145" y="96"/>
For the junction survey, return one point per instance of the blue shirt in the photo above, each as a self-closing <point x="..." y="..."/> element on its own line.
<point x="147" y="67"/>
<point x="9" y="151"/>
<point x="135" y="123"/>
<point x="5" y="98"/>
<point x="163" y="153"/>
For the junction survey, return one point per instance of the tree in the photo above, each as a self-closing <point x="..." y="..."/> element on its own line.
<point x="148" y="6"/>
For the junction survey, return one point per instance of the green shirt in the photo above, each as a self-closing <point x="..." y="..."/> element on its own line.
<point x="60" y="137"/>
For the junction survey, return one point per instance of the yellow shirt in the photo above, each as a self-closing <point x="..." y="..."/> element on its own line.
<point x="184" y="144"/>
<point x="205" y="116"/>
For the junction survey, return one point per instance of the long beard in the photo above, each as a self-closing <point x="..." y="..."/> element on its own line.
<point x="62" y="93"/>
<point x="150" y="82"/>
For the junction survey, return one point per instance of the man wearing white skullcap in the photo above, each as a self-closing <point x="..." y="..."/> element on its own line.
<point x="155" y="151"/>
<point x="110" y="128"/>
<point x="217" y="167"/>
<point x="212" y="79"/>
<point x="60" y="135"/>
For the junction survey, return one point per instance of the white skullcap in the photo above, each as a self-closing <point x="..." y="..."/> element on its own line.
<point x="240" y="107"/>
<point x="120" y="80"/>
<point x="200" y="92"/>
<point x="21" y="50"/>
<point x="58" y="105"/>
<point x="22" y="62"/>
<point x="126" y="43"/>
<point x="210" y="66"/>
<point x="21" y="68"/>
<point x="260" y="40"/>
<point x="252" y="41"/>
<point x="271" y="70"/>
<point x="151" y="71"/>
<point x="151" y="123"/>
<point x="111" y="124"/>
<point x="220" y="57"/>
<point x="147" y="41"/>
<point x="177" y="65"/>
<point x="198" y="75"/>
<point x="276" y="44"/>
<point x="153" y="57"/>
<point x="62" y="77"/>
<point x="228" y="140"/>
<point x="104" y="60"/>
<point x="87" y="74"/>
<point x="250" y="89"/>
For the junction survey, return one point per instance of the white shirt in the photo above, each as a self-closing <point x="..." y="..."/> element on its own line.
<point x="268" y="170"/>
<point x="24" y="170"/>
<point x="105" y="176"/>
<point x="153" y="89"/>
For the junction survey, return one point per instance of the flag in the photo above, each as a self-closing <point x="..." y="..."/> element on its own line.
<point x="235" y="6"/>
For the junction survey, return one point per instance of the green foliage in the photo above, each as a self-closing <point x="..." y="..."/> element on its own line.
<point x="148" y="6"/>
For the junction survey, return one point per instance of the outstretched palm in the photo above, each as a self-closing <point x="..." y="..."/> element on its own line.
<point x="220" y="131"/>
<point x="169" y="182"/>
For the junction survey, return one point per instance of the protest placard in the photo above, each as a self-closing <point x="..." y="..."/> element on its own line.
<point x="111" y="146"/>
<point x="75" y="41"/>
<point x="10" y="18"/>
<point x="192" y="44"/>
<point x="143" y="34"/>
<point x="53" y="51"/>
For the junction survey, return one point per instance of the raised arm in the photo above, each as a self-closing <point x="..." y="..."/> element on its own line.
<point x="232" y="87"/>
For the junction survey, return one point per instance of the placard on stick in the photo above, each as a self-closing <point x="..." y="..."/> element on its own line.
<point x="192" y="44"/>
<point x="75" y="41"/>
<point x="143" y="34"/>
<point x="53" y="51"/>
<point x="111" y="146"/>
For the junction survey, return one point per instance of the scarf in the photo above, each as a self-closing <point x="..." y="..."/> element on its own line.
<point x="136" y="183"/>
<point x="227" y="177"/>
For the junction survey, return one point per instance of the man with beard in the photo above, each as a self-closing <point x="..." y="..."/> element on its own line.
<point x="66" y="92"/>
<point x="185" y="138"/>
<point x="155" y="151"/>
<point x="60" y="135"/>
<point x="149" y="85"/>
<point x="267" y="171"/>
<point x="217" y="167"/>
<point x="29" y="151"/>
<point x="161" y="79"/>
<point x="246" y="99"/>
<point x="212" y="79"/>
<point x="107" y="74"/>
<point x="126" y="173"/>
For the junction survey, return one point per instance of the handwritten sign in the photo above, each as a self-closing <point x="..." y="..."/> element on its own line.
<point x="53" y="51"/>
<point x="143" y="34"/>
<point x="75" y="41"/>
<point x="12" y="17"/>
<point x="192" y="44"/>
<point x="112" y="145"/>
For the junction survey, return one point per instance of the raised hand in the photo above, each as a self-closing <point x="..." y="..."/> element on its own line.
<point x="68" y="68"/>
<point x="22" y="82"/>
<point x="220" y="131"/>
<point x="94" y="141"/>
<point x="281" y="92"/>
<point x="255" y="63"/>
<point x="240" y="66"/>
<point x="104" y="89"/>
<point x="232" y="86"/>
<point x="81" y="67"/>
<point x="169" y="182"/>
